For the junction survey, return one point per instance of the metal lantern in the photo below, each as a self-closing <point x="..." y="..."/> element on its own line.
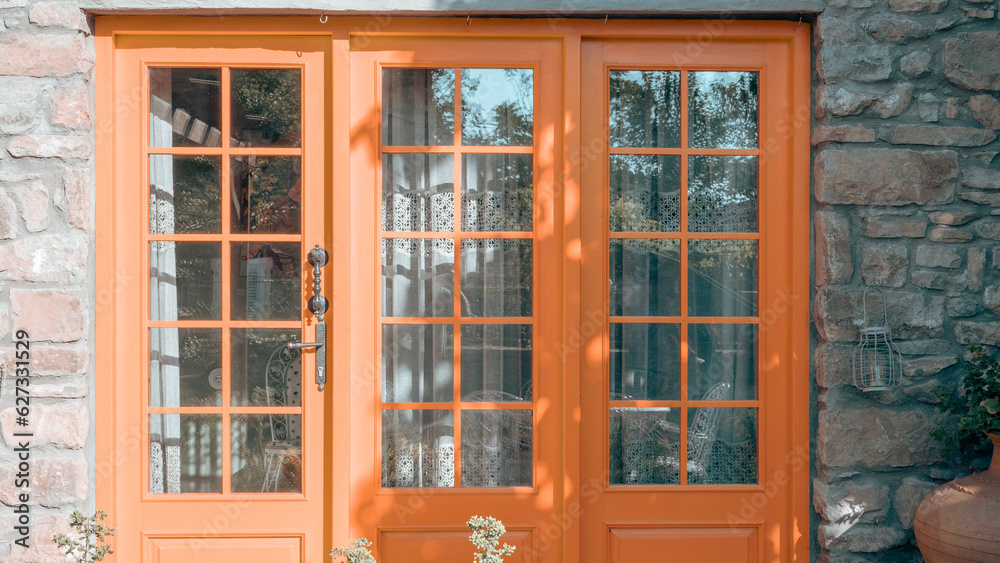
<point x="876" y="361"/>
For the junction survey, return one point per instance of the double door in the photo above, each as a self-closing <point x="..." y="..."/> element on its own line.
<point x="559" y="280"/>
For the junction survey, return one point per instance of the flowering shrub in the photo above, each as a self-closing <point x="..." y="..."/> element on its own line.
<point x="357" y="552"/>
<point x="91" y="545"/>
<point x="486" y="534"/>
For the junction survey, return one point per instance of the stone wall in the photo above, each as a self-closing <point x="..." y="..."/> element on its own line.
<point x="46" y="261"/>
<point x="907" y="195"/>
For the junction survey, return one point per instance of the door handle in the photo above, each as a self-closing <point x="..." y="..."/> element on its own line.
<point x="318" y="305"/>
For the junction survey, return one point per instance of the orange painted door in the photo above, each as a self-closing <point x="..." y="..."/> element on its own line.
<point x="567" y="276"/>
<point x="220" y="191"/>
<point x="687" y="389"/>
<point x="455" y="394"/>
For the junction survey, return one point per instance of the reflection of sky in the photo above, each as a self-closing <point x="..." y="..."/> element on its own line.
<point x="702" y="81"/>
<point x="496" y="88"/>
<point x="725" y="122"/>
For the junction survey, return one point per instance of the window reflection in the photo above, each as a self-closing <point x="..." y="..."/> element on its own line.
<point x="266" y="107"/>
<point x="722" y="110"/>
<point x="497" y="106"/>
<point x="645" y="108"/>
<point x="269" y="192"/>
<point x="418" y="106"/>
<point x="185" y="107"/>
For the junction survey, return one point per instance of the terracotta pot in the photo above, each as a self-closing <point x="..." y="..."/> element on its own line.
<point x="960" y="521"/>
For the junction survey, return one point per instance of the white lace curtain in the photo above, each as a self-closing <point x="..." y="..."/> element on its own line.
<point x="164" y="377"/>
<point x="419" y="281"/>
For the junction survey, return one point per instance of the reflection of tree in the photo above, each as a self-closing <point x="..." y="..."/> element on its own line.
<point x="269" y="193"/>
<point x="418" y="106"/>
<point x="723" y="278"/>
<point x="722" y="108"/>
<point x="271" y="98"/>
<point x="722" y="194"/>
<point x="500" y="187"/>
<point x="196" y="198"/>
<point x="644" y="196"/>
<point x="253" y="434"/>
<point x="508" y="123"/>
<point x="442" y="82"/>
<point x="722" y="113"/>
<point x="628" y="215"/>
<point x="644" y="193"/>
<point x="197" y="278"/>
<point x="645" y="108"/>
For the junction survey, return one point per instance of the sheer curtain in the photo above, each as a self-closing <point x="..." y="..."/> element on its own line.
<point x="164" y="368"/>
<point x="418" y="281"/>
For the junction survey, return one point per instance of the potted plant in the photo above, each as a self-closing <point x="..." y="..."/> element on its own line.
<point x="960" y="521"/>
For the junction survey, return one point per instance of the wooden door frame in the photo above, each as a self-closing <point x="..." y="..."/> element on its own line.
<point x="122" y="470"/>
<point x="113" y="440"/>
<point x="709" y="509"/>
<point x="542" y="54"/>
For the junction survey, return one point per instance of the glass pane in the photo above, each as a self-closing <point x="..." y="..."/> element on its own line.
<point x="264" y="371"/>
<point x="418" y="106"/>
<point x="645" y="193"/>
<point x="496" y="277"/>
<point x="185" y="281"/>
<point x="185" y="453"/>
<point x="496" y="363"/>
<point x="418" y="192"/>
<point x="497" y="192"/>
<point x="418" y="277"/>
<point x="266" y="282"/>
<point x="496" y="448"/>
<point x="722" y="362"/>
<point x="185" y="107"/>
<point x="269" y="191"/>
<point x="645" y="108"/>
<point x="645" y="361"/>
<point x="185" y="194"/>
<point x="644" y="446"/>
<point x="418" y="363"/>
<point x="267" y="107"/>
<point x="645" y="277"/>
<point x="722" y="110"/>
<point x="185" y="367"/>
<point x="418" y="448"/>
<point x="722" y="194"/>
<point x="722" y="446"/>
<point x="267" y="453"/>
<point x="497" y="106"/>
<point x="722" y="278"/>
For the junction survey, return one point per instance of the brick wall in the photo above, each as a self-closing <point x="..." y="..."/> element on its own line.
<point x="907" y="195"/>
<point x="46" y="257"/>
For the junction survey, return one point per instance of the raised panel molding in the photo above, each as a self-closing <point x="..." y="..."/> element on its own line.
<point x="446" y="546"/>
<point x="704" y="545"/>
<point x="213" y="550"/>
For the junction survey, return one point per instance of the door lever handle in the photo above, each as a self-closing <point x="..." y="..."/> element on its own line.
<point x="317" y="306"/>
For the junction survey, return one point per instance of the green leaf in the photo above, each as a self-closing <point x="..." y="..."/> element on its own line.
<point x="976" y="405"/>
<point x="992" y="405"/>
